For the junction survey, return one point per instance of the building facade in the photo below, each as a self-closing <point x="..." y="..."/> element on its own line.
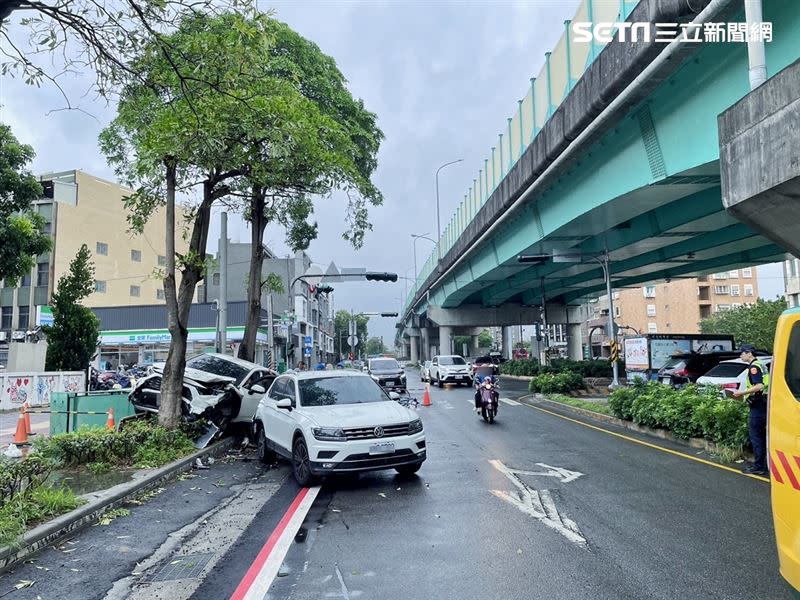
<point x="310" y="313"/>
<point x="80" y="208"/>
<point x="791" y="280"/>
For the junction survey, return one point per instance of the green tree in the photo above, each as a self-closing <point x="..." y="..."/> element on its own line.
<point x="312" y="137"/>
<point x="485" y="339"/>
<point x="341" y="324"/>
<point x="374" y="345"/>
<point x="21" y="229"/>
<point x="72" y="339"/>
<point x="171" y="133"/>
<point x="754" y="324"/>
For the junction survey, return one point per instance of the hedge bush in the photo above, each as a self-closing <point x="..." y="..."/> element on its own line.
<point x="692" y="411"/>
<point x="532" y="368"/>
<point x="556" y="383"/>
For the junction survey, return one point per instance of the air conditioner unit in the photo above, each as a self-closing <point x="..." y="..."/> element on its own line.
<point x="17" y="335"/>
<point x="3" y="336"/>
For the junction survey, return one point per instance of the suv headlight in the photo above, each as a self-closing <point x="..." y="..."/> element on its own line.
<point x="375" y="377"/>
<point x="402" y="375"/>
<point x="415" y="426"/>
<point x="329" y="434"/>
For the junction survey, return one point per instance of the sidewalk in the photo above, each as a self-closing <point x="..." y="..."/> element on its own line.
<point x="40" y="425"/>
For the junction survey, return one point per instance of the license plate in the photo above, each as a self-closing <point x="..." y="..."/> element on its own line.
<point x="667" y="380"/>
<point x="385" y="448"/>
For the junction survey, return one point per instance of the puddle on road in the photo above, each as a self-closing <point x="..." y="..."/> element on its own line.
<point x="82" y="482"/>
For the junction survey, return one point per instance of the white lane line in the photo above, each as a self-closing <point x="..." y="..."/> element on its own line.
<point x="262" y="572"/>
<point x="509" y="401"/>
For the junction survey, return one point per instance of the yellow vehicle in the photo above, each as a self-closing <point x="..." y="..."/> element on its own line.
<point x="784" y="444"/>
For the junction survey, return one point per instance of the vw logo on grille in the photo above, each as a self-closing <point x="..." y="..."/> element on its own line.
<point x="378" y="431"/>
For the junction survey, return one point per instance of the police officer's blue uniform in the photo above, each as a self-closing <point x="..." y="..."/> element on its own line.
<point x="757" y="421"/>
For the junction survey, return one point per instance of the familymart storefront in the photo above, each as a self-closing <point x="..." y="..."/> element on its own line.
<point x="132" y="345"/>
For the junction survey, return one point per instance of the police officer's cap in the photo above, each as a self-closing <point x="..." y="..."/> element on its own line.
<point x="747" y="348"/>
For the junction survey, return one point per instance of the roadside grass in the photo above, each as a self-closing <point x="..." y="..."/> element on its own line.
<point x="30" y="508"/>
<point x="601" y="408"/>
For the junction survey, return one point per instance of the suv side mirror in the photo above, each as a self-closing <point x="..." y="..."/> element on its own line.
<point x="284" y="403"/>
<point x="394" y="395"/>
<point x="257" y="389"/>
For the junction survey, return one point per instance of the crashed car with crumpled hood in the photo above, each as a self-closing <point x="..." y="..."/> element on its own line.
<point x="219" y="388"/>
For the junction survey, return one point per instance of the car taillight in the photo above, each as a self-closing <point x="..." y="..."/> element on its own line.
<point x="730" y="386"/>
<point x="681" y="372"/>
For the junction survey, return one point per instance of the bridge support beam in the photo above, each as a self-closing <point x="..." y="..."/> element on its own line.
<point x="425" y="354"/>
<point x="414" y="356"/>
<point x="574" y="341"/>
<point x="445" y="340"/>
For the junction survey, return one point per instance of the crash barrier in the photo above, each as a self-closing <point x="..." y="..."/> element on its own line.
<point x="71" y="411"/>
<point x="37" y="388"/>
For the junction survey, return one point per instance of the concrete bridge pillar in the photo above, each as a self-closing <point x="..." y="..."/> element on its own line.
<point x="473" y="345"/>
<point x="506" y="343"/>
<point x="425" y="351"/>
<point x="574" y="341"/>
<point x="445" y="340"/>
<point x="414" y="348"/>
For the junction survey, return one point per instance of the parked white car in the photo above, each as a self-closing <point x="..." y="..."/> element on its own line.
<point x="425" y="371"/>
<point x="731" y="374"/>
<point x="329" y="422"/>
<point x="450" y="369"/>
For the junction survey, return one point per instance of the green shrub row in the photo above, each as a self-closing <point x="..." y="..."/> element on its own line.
<point x="693" y="411"/>
<point x="556" y="383"/>
<point x="140" y="443"/>
<point x="532" y="368"/>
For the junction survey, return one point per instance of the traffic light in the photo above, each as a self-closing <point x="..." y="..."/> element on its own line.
<point x="388" y="314"/>
<point x="323" y="289"/>
<point x="373" y="276"/>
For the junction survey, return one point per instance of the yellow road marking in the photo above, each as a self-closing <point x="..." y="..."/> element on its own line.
<point x="648" y="444"/>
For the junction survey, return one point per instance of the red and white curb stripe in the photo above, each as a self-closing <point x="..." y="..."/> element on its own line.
<point x="784" y="461"/>
<point x="256" y="582"/>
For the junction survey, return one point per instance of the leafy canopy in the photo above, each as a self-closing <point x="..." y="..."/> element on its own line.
<point x="754" y="324"/>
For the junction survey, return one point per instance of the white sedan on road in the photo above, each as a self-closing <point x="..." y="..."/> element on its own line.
<point x="329" y="422"/>
<point x="731" y="374"/>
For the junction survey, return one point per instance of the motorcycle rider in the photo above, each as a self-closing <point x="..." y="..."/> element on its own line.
<point x="479" y="381"/>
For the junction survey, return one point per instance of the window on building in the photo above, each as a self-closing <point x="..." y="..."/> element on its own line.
<point x="734" y="290"/>
<point x="652" y="328"/>
<point x="136" y="255"/>
<point x="162" y="260"/>
<point x="160" y="294"/>
<point x="721" y="289"/>
<point x="5" y="317"/>
<point x="723" y="307"/>
<point x="737" y="305"/>
<point x="48" y="228"/>
<point x="720" y="275"/>
<point x="42" y="273"/>
<point x="102" y="249"/>
<point x="617" y="311"/>
<point x="747" y="272"/>
<point x="734" y="273"/>
<point x="748" y="289"/>
<point x="100" y="287"/>
<point x="215" y="279"/>
<point x="651" y="310"/>
<point x="25" y="281"/>
<point x="649" y="291"/>
<point x="136" y="291"/>
<point x="24" y="316"/>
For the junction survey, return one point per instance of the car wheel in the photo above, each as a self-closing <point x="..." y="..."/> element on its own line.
<point x="408" y="469"/>
<point x="301" y="465"/>
<point x="265" y="454"/>
<point x="439" y="381"/>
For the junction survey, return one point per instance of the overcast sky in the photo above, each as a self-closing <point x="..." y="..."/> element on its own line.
<point x="442" y="78"/>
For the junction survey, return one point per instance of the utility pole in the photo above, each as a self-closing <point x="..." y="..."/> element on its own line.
<point x="270" y="333"/>
<point x="223" y="283"/>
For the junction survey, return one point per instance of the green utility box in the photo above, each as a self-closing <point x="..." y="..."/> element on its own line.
<point x="65" y="404"/>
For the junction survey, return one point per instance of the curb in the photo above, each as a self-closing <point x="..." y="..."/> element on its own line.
<point x="50" y="532"/>
<point x="662" y="434"/>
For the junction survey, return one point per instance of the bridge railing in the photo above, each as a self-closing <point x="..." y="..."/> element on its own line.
<point x="562" y="68"/>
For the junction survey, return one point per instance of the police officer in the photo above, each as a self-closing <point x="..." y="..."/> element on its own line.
<point x="755" y="393"/>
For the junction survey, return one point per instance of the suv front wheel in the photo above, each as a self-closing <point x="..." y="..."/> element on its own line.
<point x="301" y="465"/>
<point x="265" y="454"/>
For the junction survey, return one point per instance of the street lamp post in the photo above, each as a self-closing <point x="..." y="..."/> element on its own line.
<point x="603" y="260"/>
<point x="416" y="237"/>
<point x="438" y="222"/>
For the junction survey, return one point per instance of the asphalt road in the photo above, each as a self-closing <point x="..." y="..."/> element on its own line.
<point x="583" y="515"/>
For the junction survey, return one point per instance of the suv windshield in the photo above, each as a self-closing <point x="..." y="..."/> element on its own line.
<point x="451" y="360"/>
<point x="218" y="366"/>
<point x="327" y="391"/>
<point x="384" y="364"/>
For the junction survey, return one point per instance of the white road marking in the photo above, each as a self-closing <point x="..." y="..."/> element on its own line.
<point x="564" y="475"/>
<point x="537" y="504"/>
<point x="509" y="401"/>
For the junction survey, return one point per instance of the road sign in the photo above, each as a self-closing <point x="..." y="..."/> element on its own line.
<point x="353" y="328"/>
<point x="306" y="351"/>
<point x="352" y="341"/>
<point x="307" y="341"/>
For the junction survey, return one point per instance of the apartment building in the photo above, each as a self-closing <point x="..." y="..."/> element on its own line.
<point x="791" y="279"/>
<point x="80" y="208"/>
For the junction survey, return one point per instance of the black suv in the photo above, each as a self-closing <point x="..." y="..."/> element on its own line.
<point x="387" y="372"/>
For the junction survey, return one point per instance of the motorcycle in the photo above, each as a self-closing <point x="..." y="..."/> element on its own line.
<point x="486" y="393"/>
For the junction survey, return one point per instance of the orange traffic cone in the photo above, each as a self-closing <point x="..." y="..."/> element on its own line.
<point x="110" y="421"/>
<point x="426" y="397"/>
<point x="21" y="435"/>
<point x="25" y="408"/>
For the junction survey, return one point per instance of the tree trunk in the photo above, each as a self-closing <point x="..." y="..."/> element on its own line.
<point x="258" y="224"/>
<point x="179" y="302"/>
<point x="169" y="413"/>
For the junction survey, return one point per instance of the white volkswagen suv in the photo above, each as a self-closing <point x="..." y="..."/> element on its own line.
<point x="328" y="422"/>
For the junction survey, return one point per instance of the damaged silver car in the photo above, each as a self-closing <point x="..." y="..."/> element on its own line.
<point x="219" y="388"/>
